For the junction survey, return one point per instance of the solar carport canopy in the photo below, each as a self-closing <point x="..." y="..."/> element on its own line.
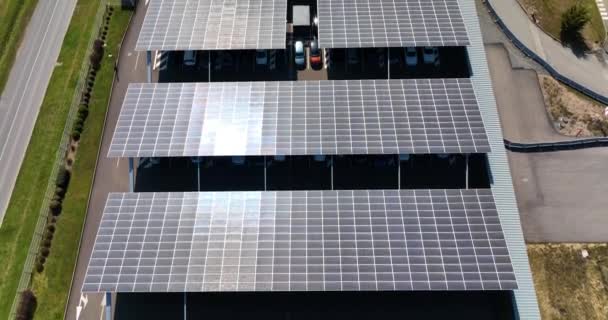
<point x="299" y="118"/>
<point x="390" y="23"/>
<point x="300" y="241"/>
<point x="213" y="25"/>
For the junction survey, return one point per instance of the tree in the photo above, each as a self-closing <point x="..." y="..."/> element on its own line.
<point x="575" y="18"/>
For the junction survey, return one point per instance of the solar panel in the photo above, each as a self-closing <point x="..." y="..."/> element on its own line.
<point x="213" y="25"/>
<point x="300" y="118"/>
<point x="390" y="23"/>
<point x="366" y="240"/>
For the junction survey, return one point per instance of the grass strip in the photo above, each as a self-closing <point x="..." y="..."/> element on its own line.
<point x="549" y="15"/>
<point x="53" y="284"/>
<point x="22" y="213"/>
<point x="569" y="286"/>
<point x="16" y="14"/>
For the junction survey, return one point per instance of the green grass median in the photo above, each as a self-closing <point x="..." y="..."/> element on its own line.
<point x="22" y="214"/>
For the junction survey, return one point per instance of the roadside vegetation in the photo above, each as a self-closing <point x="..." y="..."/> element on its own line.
<point x="575" y="22"/>
<point x="59" y="245"/>
<point x="15" y="17"/>
<point x="52" y="286"/>
<point x="573" y="113"/>
<point x="568" y="285"/>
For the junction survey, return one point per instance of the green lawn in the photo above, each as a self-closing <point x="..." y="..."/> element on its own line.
<point x="15" y="15"/>
<point x="18" y="226"/>
<point x="549" y="13"/>
<point x="52" y="286"/>
<point x="568" y="286"/>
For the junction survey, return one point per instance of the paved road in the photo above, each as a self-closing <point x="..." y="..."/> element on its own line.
<point x="558" y="193"/>
<point x="26" y="86"/>
<point x="520" y="101"/>
<point x="587" y="70"/>
<point x="112" y="174"/>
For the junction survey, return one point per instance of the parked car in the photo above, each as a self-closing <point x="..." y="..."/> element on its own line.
<point x="261" y="57"/>
<point x="411" y="56"/>
<point x="223" y="60"/>
<point x="352" y="56"/>
<point x="430" y="55"/>
<point x="381" y="56"/>
<point x="190" y="58"/>
<point x="315" y="54"/>
<point x="300" y="56"/>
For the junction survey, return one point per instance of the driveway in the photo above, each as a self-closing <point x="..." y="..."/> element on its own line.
<point x="26" y="87"/>
<point x="559" y="194"/>
<point x="112" y="174"/>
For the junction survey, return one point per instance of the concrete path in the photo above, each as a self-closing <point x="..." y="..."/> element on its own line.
<point x="558" y="193"/>
<point x="26" y="86"/>
<point x="588" y="71"/>
<point x="112" y="174"/>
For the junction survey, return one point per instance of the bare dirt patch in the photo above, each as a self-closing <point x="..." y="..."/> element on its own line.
<point x="569" y="286"/>
<point x="573" y="114"/>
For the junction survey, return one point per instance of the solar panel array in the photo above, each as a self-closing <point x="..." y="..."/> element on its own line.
<point x="214" y="25"/>
<point x="390" y="23"/>
<point x="300" y="241"/>
<point x="300" y="118"/>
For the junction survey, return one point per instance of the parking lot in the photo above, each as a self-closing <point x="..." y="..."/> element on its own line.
<point x="334" y="64"/>
<point x="320" y="306"/>
<point x="311" y="173"/>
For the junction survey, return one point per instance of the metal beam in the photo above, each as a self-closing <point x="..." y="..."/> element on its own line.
<point x="466" y="170"/>
<point x="108" y="306"/>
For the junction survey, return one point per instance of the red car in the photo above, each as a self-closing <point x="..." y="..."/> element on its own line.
<point x="315" y="54"/>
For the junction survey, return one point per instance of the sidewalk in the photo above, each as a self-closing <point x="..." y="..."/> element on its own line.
<point x="588" y="71"/>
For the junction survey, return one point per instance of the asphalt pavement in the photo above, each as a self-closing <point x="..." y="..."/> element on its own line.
<point x="559" y="194"/>
<point x="112" y="174"/>
<point x="26" y="87"/>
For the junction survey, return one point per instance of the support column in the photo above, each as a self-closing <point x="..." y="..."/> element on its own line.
<point x="388" y="62"/>
<point x="108" y="306"/>
<point x="185" y="306"/>
<point x="149" y="66"/>
<point x="265" y="175"/>
<point x="398" y="171"/>
<point x="331" y="166"/>
<point x="466" y="170"/>
<point x="131" y="176"/>
<point x="198" y="174"/>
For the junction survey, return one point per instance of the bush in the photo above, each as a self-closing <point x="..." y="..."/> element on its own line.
<point x="46" y="243"/>
<point x="44" y="251"/>
<point x="75" y="136"/>
<point x="78" y="126"/>
<point x="575" y="18"/>
<point x="27" y="305"/>
<point x="41" y="259"/>
<point x="63" y="178"/>
<point x="48" y="236"/>
<point x="98" y="45"/>
<point x="50" y="228"/>
<point x="57" y="197"/>
<point x="59" y="192"/>
<point x="83" y="113"/>
<point x="55" y="207"/>
<point x="39" y="267"/>
<point x="95" y="60"/>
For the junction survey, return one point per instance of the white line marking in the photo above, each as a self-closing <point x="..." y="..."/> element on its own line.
<point x="28" y="80"/>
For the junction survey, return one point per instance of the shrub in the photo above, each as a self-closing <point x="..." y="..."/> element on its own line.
<point x="27" y="305"/>
<point x="50" y="228"/>
<point x="39" y="267"/>
<point x="48" y="236"/>
<point x="63" y="178"/>
<point x="78" y="126"/>
<point x="46" y="243"/>
<point x="95" y="59"/>
<point x="575" y="18"/>
<point x="98" y="45"/>
<point x="41" y="259"/>
<point x="44" y="251"/>
<point x="60" y="192"/>
<point x="83" y="112"/>
<point x="75" y="136"/>
<point x="69" y="161"/>
<point x="55" y="207"/>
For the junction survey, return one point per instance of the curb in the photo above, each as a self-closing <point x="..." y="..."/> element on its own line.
<point x="555" y="146"/>
<point x="565" y="80"/>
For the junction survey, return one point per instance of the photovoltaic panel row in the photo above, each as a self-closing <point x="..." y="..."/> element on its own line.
<point x="300" y="241"/>
<point x="300" y="118"/>
<point x="213" y="25"/>
<point x="390" y="23"/>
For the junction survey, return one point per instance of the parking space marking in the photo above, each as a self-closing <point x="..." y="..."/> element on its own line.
<point x="602" y="7"/>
